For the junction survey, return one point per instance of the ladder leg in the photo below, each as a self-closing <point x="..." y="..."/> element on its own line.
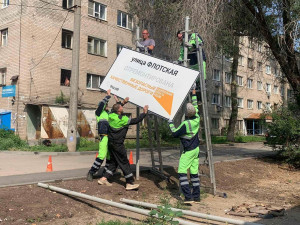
<point x="158" y="144"/>
<point x="149" y="125"/>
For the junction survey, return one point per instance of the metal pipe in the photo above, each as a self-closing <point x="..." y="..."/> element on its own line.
<point x="107" y="202"/>
<point x="190" y="213"/>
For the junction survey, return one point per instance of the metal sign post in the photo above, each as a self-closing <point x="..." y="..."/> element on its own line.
<point x="137" y="156"/>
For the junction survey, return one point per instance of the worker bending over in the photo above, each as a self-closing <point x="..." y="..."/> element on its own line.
<point x="118" y="127"/>
<point x="189" y="159"/>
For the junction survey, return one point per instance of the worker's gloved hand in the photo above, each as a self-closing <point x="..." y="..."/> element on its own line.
<point x="170" y="121"/>
<point x="178" y="62"/>
<point x="188" y="45"/>
<point x="193" y="86"/>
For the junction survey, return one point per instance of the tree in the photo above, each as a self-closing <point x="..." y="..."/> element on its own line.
<point x="278" y="25"/>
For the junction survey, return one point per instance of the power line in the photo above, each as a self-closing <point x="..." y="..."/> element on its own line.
<point x="52" y="43"/>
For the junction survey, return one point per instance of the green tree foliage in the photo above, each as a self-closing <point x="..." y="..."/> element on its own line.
<point x="284" y="133"/>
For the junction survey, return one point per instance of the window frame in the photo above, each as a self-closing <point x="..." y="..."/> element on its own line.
<point x="227" y="101"/>
<point x="2" y="43"/>
<point x="99" y="11"/>
<point x="66" y="32"/>
<point x="66" y="4"/>
<point x="259" y="105"/>
<point x="259" y="66"/>
<point x="100" y="77"/>
<point x="275" y="90"/>
<point x="128" y="18"/>
<point x="242" y="101"/>
<point x="250" y="63"/>
<point x="250" y="83"/>
<point x="93" y="46"/>
<point x="226" y="77"/>
<point x="218" y="99"/>
<point x="3" y="72"/>
<point x="268" y="69"/>
<point x="215" y="123"/>
<point x="218" y="77"/>
<point x="121" y="46"/>
<point x="249" y="101"/>
<point x="259" y="87"/>
<point x="282" y="91"/>
<point x="267" y="87"/>
<point x="5" y="4"/>
<point x="62" y="83"/>
<point x="259" y="47"/>
<point x="238" y="79"/>
<point x="241" y="60"/>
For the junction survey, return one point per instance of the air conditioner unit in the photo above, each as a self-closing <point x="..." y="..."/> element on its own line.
<point x="2" y="79"/>
<point x="217" y="84"/>
<point x="219" y="108"/>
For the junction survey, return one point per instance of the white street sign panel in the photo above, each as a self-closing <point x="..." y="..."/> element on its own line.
<point x="149" y="81"/>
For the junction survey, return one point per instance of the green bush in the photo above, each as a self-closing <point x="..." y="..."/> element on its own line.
<point x="284" y="133"/>
<point x="8" y="140"/>
<point x="114" y="222"/>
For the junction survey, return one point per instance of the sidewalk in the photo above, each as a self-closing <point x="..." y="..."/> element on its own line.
<point x="28" y="167"/>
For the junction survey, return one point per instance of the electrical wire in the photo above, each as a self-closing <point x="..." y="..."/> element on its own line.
<point x="52" y="43"/>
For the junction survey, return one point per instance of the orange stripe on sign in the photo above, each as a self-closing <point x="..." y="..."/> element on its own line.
<point x="164" y="98"/>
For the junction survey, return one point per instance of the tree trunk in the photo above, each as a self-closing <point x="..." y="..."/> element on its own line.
<point x="234" y="104"/>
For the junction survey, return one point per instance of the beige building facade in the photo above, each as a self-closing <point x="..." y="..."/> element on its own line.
<point x="260" y="83"/>
<point x="36" y="58"/>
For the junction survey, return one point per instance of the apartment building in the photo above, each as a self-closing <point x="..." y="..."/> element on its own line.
<point x="261" y="88"/>
<point x="36" y="61"/>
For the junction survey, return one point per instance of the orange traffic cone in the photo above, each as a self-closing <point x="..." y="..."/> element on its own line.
<point x="97" y="155"/>
<point x="130" y="158"/>
<point x="49" y="165"/>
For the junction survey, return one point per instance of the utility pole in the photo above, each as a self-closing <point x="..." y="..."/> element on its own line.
<point x="137" y="156"/>
<point x="72" y="123"/>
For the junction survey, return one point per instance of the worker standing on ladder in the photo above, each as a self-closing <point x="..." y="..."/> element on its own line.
<point x="192" y="51"/>
<point x="189" y="159"/>
<point x="147" y="45"/>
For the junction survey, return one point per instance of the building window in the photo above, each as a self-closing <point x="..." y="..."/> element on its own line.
<point x="241" y="60"/>
<point x="228" y="78"/>
<point x="251" y="43"/>
<point x="5" y="3"/>
<point x="259" y="105"/>
<point x="125" y="20"/>
<point x="66" y="4"/>
<point x="259" y="85"/>
<point x="282" y="91"/>
<point x="215" y="123"/>
<point x="259" y="47"/>
<point x="2" y="76"/>
<point x="216" y="75"/>
<point x="97" y="10"/>
<point x="215" y="99"/>
<point x="239" y="80"/>
<point x="250" y="104"/>
<point x="227" y="101"/>
<point x="259" y="66"/>
<point x="289" y="93"/>
<point x="65" y="77"/>
<point x="268" y="88"/>
<point x="250" y="63"/>
<point x="120" y="47"/>
<point x="66" y="39"/>
<point x="268" y="106"/>
<point x="249" y="83"/>
<point x="96" y="46"/>
<point x="4" y="37"/>
<point x="268" y="69"/>
<point x="240" y="102"/>
<point x="93" y="81"/>
<point x="275" y="89"/>
<point x="275" y="106"/>
<point x="240" y="125"/>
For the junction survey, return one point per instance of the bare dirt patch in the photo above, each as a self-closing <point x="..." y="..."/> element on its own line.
<point x="244" y="181"/>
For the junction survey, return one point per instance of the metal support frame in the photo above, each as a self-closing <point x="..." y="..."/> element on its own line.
<point x="206" y="116"/>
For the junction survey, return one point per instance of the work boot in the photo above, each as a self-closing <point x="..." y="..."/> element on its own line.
<point x="188" y="201"/>
<point x="130" y="187"/>
<point x="197" y="200"/>
<point x="104" y="182"/>
<point x="89" y="176"/>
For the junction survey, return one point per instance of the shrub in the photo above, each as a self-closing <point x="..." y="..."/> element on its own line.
<point x="8" y="140"/>
<point x="284" y="133"/>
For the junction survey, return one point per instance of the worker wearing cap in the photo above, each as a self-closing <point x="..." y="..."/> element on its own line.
<point x="102" y="115"/>
<point x="118" y="127"/>
<point x="189" y="159"/>
<point x="192" y="51"/>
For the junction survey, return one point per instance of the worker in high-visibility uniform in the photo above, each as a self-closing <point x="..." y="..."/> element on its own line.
<point x="118" y="127"/>
<point x="192" y="51"/>
<point x="102" y="123"/>
<point x="189" y="159"/>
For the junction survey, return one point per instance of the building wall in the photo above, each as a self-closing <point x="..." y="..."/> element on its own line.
<point x="39" y="57"/>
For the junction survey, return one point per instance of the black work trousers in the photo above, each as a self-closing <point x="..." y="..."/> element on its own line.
<point x="118" y="157"/>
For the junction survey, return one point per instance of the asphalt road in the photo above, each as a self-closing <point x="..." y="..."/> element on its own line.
<point x="20" y="168"/>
